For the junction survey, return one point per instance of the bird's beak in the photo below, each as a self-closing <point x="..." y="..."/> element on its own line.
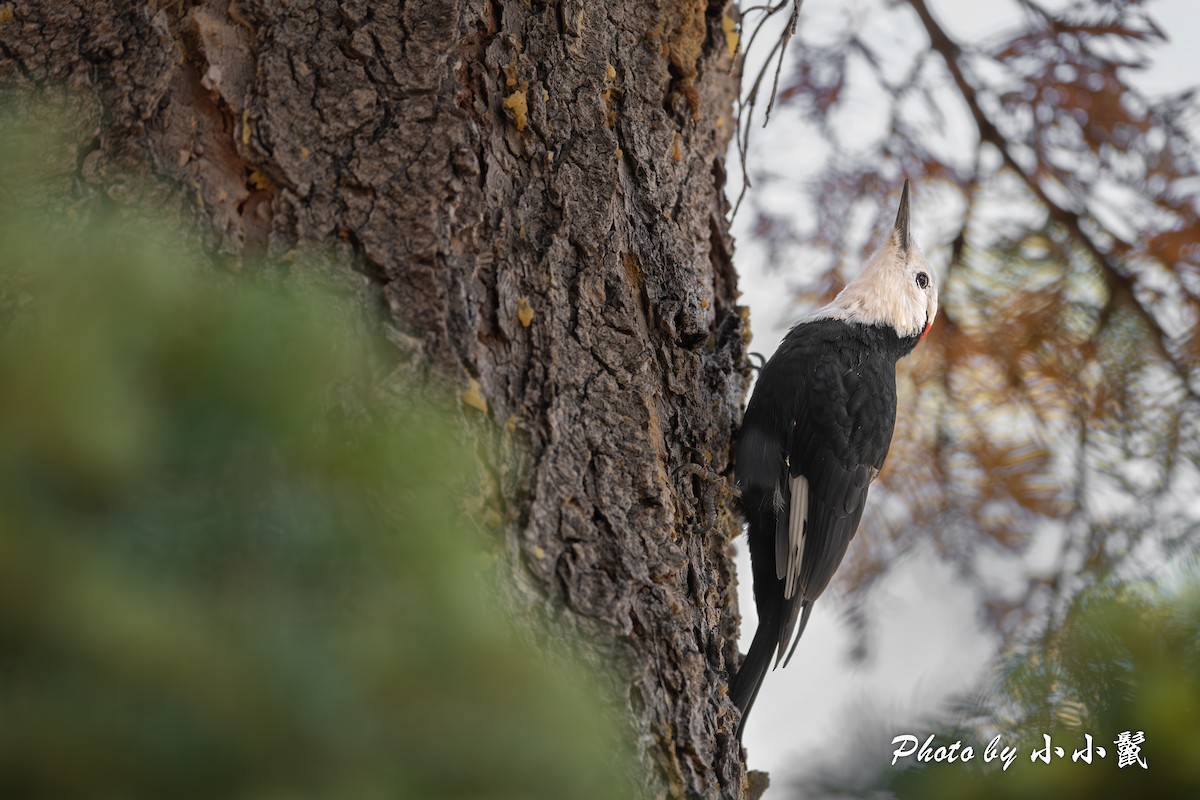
<point x="902" y="220"/>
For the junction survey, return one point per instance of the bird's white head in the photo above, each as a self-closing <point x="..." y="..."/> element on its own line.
<point x="896" y="287"/>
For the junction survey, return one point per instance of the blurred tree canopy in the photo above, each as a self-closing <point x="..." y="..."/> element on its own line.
<point x="1056" y="401"/>
<point x="232" y="559"/>
<point x="1050" y="441"/>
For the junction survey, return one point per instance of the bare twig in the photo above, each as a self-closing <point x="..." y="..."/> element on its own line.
<point x="786" y="37"/>
<point x="746" y="105"/>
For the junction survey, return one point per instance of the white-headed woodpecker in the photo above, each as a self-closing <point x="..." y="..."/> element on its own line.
<point x="814" y="436"/>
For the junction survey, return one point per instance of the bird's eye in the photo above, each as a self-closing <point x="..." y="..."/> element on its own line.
<point x="922" y="280"/>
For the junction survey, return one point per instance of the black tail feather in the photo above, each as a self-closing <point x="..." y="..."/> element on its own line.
<point x="765" y="648"/>
<point x="755" y="666"/>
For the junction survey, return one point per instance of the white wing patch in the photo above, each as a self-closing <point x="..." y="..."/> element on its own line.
<point x="797" y="524"/>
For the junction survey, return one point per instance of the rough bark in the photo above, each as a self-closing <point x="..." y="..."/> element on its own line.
<point x="535" y="190"/>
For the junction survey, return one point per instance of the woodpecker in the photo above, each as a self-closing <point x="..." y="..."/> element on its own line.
<point x="815" y="434"/>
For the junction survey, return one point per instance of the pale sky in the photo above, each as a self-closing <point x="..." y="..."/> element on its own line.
<point x="925" y="642"/>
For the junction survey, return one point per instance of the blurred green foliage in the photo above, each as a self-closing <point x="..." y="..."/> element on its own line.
<point x="230" y="565"/>
<point x="1127" y="659"/>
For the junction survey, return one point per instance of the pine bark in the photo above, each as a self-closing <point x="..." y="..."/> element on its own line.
<point x="534" y="193"/>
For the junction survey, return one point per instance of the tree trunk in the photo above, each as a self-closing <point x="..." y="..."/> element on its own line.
<point x="535" y="189"/>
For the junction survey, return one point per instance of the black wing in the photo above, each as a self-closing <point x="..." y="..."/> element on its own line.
<point x="843" y="427"/>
